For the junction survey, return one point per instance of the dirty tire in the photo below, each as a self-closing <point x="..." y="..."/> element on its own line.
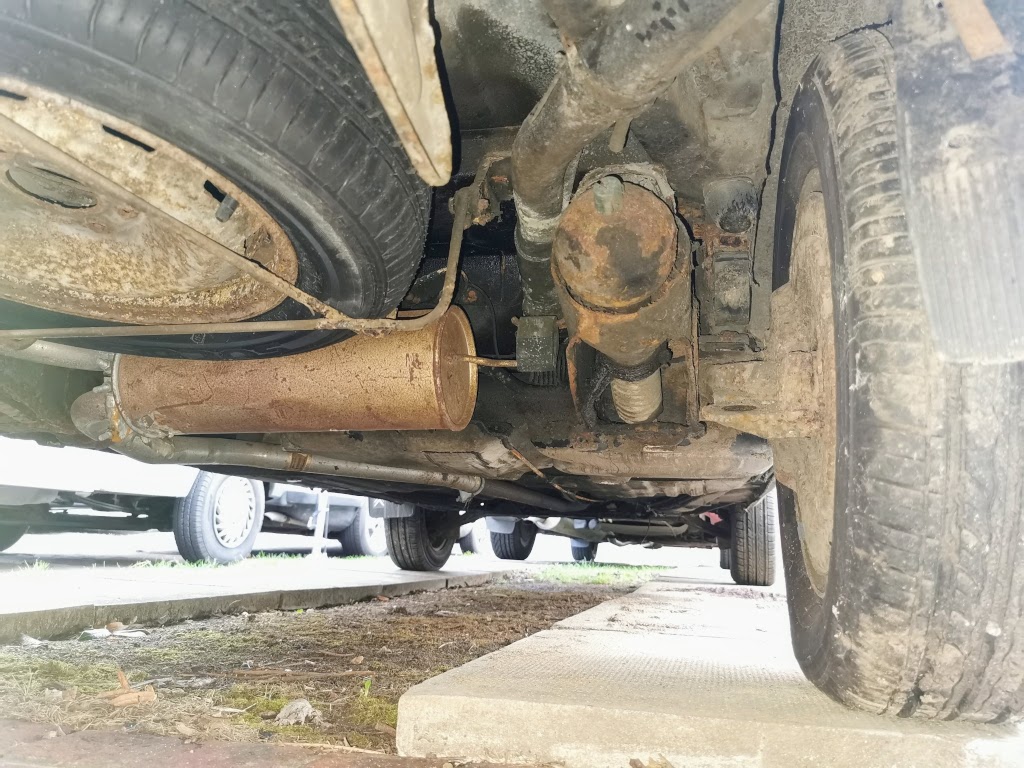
<point x="516" y="545"/>
<point x="194" y="526"/>
<point x="725" y="558"/>
<point x="271" y="95"/>
<point x="360" y="539"/>
<point x="416" y="543"/>
<point x="921" y="614"/>
<point x="751" y="553"/>
<point x="584" y="551"/>
<point x="11" y="535"/>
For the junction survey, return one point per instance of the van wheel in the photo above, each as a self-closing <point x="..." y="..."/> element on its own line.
<point x="419" y="542"/>
<point x="218" y="520"/>
<point x="584" y="551"/>
<point x="902" y="521"/>
<point x="365" y="537"/>
<point x="516" y="545"/>
<point x="751" y="553"/>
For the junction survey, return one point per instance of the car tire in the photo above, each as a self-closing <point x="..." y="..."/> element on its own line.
<point x="516" y="545"/>
<point x="418" y="542"/>
<point x="584" y="551"/>
<point x="365" y="536"/>
<point x="217" y="522"/>
<point x="477" y="541"/>
<point x="751" y="553"/>
<point x="725" y="558"/>
<point x="11" y="535"/>
<point x="914" y="610"/>
<point x="272" y="96"/>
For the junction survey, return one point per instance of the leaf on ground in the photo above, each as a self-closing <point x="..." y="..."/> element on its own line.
<point x="186" y="730"/>
<point x="146" y="696"/>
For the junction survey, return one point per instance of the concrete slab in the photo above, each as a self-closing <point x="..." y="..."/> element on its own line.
<point x="699" y="674"/>
<point x="62" y="602"/>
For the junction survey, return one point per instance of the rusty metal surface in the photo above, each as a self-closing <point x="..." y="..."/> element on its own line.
<point x="633" y="275"/>
<point x="416" y="380"/>
<point x="650" y="453"/>
<point x="121" y="258"/>
<point x="788" y="393"/>
<point x="395" y="44"/>
<point x="465" y="202"/>
<point x="618" y="259"/>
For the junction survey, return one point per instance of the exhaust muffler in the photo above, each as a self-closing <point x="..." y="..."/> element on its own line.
<point x="415" y="380"/>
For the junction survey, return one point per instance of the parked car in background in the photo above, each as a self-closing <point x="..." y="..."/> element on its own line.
<point x="214" y="517"/>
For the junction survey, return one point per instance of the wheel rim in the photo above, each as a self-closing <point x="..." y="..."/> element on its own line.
<point x="95" y="256"/>
<point x="807" y="465"/>
<point x="376" y="537"/>
<point x="234" y="511"/>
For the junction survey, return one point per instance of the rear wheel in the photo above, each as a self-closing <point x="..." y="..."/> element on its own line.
<point x="902" y="522"/>
<point x="516" y="545"/>
<point x="420" y="542"/>
<point x="219" y="519"/>
<point x="584" y="551"/>
<point x="365" y="537"/>
<point x="751" y="553"/>
<point x="259" y="102"/>
<point x="11" y="535"/>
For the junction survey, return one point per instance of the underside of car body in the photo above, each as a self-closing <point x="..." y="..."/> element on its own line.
<point x="627" y="261"/>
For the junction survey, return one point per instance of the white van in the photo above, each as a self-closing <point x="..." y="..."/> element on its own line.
<point x="214" y="517"/>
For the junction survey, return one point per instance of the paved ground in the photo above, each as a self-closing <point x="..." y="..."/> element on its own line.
<point x="121" y="581"/>
<point x="692" y="671"/>
<point x="57" y="584"/>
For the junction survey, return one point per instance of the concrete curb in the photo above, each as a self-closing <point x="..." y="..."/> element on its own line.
<point x="64" y="621"/>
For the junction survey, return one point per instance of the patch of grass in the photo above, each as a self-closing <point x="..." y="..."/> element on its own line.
<point x="370" y="710"/>
<point x="36" y="565"/>
<point x="256" y="701"/>
<point x="35" y="672"/>
<point x="596" y="573"/>
<point x="173" y="564"/>
<point x="281" y="556"/>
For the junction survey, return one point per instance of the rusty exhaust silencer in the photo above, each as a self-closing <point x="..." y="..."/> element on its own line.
<point x="415" y="380"/>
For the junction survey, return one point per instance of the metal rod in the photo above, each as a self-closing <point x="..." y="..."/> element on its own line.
<point x="488" y="362"/>
<point x="47" y="151"/>
<point x="212" y="451"/>
<point x="61" y="355"/>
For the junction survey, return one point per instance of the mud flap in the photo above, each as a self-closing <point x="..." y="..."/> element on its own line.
<point x="960" y="87"/>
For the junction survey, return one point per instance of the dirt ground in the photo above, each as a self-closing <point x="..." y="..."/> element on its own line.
<point x="228" y="678"/>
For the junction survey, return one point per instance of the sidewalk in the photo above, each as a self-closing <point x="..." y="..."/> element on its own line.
<point x="697" y="673"/>
<point x="63" y="601"/>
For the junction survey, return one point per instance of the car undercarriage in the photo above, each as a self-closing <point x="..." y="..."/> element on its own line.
<point x="599" y="260"/>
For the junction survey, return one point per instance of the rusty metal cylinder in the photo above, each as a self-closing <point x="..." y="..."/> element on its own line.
<point x="402" y="380"/>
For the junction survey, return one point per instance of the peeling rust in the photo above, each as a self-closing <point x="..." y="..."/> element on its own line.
<point x="113" y="261"/>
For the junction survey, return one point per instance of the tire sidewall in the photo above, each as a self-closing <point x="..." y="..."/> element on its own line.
<point x="819" y="619"/>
